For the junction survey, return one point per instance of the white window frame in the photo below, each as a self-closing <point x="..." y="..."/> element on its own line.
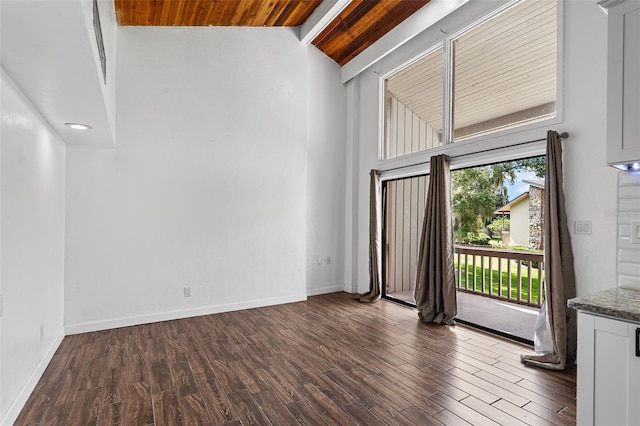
<point x="502" y="145"/>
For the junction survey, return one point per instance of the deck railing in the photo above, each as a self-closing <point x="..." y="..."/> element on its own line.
<point x="515" y="276"/>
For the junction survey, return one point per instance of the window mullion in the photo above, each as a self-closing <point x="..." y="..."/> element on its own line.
<point x="447" y="96"/>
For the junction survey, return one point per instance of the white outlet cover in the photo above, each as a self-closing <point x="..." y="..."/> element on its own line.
<point x="635" y="232"/>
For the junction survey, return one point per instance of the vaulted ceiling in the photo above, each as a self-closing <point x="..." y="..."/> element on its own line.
<point x="217" y="13"/>
<point x="357" y="25"/>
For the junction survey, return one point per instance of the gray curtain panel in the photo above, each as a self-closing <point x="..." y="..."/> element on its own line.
<point x="375" y="276"/>
<point x="435" y="291"/>
<point x="560" y="283"/>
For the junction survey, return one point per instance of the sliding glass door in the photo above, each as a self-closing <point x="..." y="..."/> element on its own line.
<point x="404" y="204"/>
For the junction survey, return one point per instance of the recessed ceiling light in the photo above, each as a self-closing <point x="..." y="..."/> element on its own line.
<point x="78" y="126"/>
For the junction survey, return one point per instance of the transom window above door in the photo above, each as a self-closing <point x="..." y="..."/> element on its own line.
<point x="500" y="73"/>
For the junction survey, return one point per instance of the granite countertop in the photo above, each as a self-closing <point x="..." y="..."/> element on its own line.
<point x="622" y="303"/>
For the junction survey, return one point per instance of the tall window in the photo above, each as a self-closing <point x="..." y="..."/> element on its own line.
<point x="504" y="72"/>
<point x="498" y="74"/>
<point x="413" y="104"/>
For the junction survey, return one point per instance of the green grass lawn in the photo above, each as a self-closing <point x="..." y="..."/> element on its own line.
<point x="465" y="281"/>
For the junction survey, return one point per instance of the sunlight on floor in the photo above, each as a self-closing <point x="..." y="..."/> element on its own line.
<point x="518" y="308"/>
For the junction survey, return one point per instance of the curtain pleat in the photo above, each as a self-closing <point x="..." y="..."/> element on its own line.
<point x="558" y="264"/>
<point x="435" y="291"/>
<point x="375" y="256"/>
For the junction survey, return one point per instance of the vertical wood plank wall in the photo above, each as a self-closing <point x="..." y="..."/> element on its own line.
<point x="405" y="204"/>
<point x="406" y="132"/>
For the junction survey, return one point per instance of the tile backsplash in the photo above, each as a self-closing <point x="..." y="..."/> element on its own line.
<point x="628" y="212"/>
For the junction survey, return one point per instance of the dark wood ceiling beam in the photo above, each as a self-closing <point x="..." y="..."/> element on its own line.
<point x="361" y="24"/>
<point x="372" y="33"/>
<point x="338" y="25"/>
<point x="355" y="26"/>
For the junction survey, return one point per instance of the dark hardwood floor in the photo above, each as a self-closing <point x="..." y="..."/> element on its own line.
<point x="327" y="361"/>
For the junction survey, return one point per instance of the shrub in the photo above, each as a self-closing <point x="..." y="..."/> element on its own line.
<point x="495" y="227"/>
<point x="480" y="239"/>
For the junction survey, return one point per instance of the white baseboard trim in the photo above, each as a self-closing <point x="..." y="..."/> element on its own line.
<point x="18" y="404"/>
<point x="324" y="290"/>
<point x="172" y="315"/>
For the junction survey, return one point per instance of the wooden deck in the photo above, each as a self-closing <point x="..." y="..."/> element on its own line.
<point x="329" y="360"/>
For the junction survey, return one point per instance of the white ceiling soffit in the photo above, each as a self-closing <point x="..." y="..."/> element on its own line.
<point x="427" y="16"/>
<point x="320" y="18"/>
<point x="526" y="58"/>
<point x="45" y="49"/>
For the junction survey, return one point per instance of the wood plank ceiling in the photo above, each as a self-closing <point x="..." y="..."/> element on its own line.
<point x="358" y="26"/>
<point x="217" y="13"/>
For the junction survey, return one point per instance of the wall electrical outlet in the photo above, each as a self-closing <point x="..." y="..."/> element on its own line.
<point x="328" y="260"/>
<point x="635" y="232"/>
<point x="187" y="292"/>
<point x="582" y="227"/>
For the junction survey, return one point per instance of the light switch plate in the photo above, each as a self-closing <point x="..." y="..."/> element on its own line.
<point x="582" y="227"/>
<point x="635" y="232"/>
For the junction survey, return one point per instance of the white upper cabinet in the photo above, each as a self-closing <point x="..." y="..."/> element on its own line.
<point x="623" y="104"/>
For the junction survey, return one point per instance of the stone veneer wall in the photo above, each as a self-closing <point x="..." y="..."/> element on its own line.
<point x="536" y="217"/>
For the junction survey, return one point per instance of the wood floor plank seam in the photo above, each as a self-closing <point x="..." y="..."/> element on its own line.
<point x="330" y="360"/>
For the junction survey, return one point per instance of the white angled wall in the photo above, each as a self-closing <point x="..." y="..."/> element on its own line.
<point x="326" y="168"/>
<point x="207" y="187"/>
<point x="31" y="246"/>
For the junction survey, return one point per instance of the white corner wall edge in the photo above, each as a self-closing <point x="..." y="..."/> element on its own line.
<point x="325" y="290"/>
<point x="427" y="16"/>
<point x="18" y="404"/>
<point x="4" y="75"/>
<point x="173" y="315"/>
<point x="352" y="290"/>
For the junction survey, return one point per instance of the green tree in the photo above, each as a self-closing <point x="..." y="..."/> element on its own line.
<point x="477" y="192"/>
<point x="475" y="199"/>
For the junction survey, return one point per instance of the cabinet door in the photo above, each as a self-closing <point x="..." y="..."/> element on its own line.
<point x="631" y="78"/>
<point x="608" y="372"/>
<point x="623" y="83"/>
<point x="634" y="374"/>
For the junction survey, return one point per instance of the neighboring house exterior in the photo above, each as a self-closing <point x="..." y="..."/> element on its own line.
<point x="526" y="216"/>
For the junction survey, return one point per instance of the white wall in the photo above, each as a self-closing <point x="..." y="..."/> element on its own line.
<point x="207" y="186"/>
<point x="109" y="26"/>
<point x="590" y="186"/>
<point x="326" y="168"/>
<point x="519" y="223"/>
<point x="31" y="246"/>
